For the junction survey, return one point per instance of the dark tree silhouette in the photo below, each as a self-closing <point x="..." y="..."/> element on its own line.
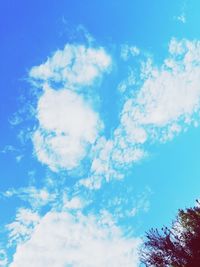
<point x="178" y="246"/>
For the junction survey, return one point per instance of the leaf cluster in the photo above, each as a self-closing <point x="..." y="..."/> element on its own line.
<point x="178" y="246"/>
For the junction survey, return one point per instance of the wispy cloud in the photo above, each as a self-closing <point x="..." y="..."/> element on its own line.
<point x="181" y="18"/>
<point x="21" y="229"/>
<point x="36" y="197"/>
<point x="128" y="51"/>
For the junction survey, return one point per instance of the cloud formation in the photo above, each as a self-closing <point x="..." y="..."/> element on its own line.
<point x="74" y="66"/>
<point x="23" y="226"/>
<point x="68" y="124"/>
<point x="162" y="102"/>
<point x="169" y="99"/>
<point x="63" y="239"/>
<point x="128" y="51"/>
<point x="67" y="128"/>
<point x="159" y="103"/>
<point x="165" y="103"/>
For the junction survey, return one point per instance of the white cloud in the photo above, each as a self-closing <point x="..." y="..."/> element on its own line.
<point x="128" y="51"/>
<point x="37" y="198"/>
<point x="166" y="103"/>
<point x="69" y="129"/>
<point x="72" y="204"/>
<point x="102" y="167"/>
<point x="62" y="239"/>
<point x="128" y="82"/>
<point x="68" y="126"/>
<point x="169" y="98"/>
<point x="23" y="226"/>
<point x="75" y="65"/>
<point x="101" y="157"/>
<point x="110" y="159"/>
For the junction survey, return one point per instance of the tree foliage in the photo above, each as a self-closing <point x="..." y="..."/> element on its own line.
<point x="178" y="246"/>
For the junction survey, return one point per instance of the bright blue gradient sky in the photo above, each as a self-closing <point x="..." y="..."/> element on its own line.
<point x="149" y="48"/>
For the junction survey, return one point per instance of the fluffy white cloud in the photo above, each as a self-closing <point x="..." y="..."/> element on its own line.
<point x="67" y="127"/>
<point x="72" y="204"/>
<point x="166" y="103"/>
<point x="169" y="98"/>
<point x="63" y="239"/>
<point x="75" y="65"/>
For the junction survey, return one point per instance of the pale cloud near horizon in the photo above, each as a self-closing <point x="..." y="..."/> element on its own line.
<point x="63" y="239"/>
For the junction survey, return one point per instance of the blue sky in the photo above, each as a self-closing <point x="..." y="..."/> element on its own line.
<point x="99" y="140"/>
